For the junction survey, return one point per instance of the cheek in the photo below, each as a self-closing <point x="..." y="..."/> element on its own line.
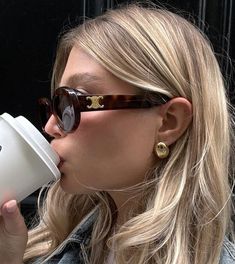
<point x="115" y="133"/>
<point x="113" y="149"/>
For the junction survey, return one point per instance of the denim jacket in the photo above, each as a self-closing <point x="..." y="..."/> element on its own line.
<point x="74" y="249"/>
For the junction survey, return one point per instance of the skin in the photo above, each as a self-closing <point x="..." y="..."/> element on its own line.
<point x="109" y="150"/>
<point x="13" y="234"/>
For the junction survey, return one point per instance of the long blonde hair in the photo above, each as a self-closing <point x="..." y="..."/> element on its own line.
<point x="186" y="208"/>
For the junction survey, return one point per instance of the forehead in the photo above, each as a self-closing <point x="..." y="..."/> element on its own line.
<point x="82" y="67"/>
<point x="83" y="70"/>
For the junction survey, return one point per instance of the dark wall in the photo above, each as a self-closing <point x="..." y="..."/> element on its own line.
<point x="28" y="37"/>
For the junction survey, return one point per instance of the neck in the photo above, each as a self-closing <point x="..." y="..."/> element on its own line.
<point x="125" y="202"/>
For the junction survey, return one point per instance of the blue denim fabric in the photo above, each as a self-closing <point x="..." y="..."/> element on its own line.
<point x="75" y="249"/>
<point x="228" y="253"/>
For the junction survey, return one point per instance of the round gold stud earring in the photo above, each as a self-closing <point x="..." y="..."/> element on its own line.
<point x="161" y="150"/>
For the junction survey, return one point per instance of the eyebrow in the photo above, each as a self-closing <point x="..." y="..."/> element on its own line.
<point x="82" y="79"/>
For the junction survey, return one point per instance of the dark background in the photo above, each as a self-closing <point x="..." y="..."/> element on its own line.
<point x="29" y="32"/>
<point x="28" y="38"/>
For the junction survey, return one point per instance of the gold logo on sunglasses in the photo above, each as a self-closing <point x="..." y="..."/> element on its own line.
<point x="95" y="102"/>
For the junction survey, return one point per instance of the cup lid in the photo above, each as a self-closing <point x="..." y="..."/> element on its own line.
<point x="42" y="143"/>
<point x="35" y="139"/>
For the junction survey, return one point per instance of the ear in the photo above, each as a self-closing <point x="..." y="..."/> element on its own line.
<point x="176" y="117"/>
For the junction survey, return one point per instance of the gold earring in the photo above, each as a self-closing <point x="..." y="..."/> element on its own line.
<point x="161" y="150"/>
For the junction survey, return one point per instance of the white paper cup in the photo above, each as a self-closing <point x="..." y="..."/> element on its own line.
<point x="27" y="161"/>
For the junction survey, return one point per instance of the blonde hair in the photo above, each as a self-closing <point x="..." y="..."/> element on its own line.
<point x="185" y="214"/>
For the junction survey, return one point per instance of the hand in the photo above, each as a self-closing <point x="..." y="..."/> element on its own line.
<point x="13" y="234"/>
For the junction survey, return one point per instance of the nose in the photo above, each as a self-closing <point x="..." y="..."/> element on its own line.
<point x="52" y="128"/>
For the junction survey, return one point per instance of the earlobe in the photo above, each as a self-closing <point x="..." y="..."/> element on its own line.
<point x="176" y="118"/>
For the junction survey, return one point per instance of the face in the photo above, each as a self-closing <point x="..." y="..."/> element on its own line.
<point x="110" y="149"/>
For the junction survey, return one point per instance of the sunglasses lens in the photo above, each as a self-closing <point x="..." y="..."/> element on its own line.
<point x="64" y="110"/>
<point x="44" y="111"/>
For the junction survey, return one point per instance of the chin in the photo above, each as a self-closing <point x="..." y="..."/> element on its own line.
<point x="73" y="188"/>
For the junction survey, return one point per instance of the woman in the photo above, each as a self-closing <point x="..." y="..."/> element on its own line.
<point x="141" y="123"/>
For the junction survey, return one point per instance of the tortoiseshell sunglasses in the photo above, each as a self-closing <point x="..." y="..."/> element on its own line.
<point x="68" y="103"/>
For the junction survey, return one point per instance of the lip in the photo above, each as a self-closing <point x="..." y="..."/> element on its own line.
<point x="60" y="163"/>
<point x="61" y="160"/>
